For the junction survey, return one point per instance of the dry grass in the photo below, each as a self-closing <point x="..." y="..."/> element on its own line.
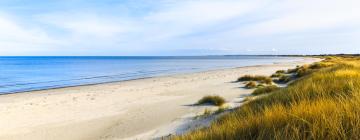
<point x="250" y="85"/>
<point x="207" y="112"/>
<point x="213" y="100"/>
<point x="267" y="81"/>
<point x="264" y="90"/>
<point x="258" y="78"/>
<point x="284" y="79"/>
<point x="289" y="71"/>
<point x="277" y="75"/>
<point x="301" y="71"/>
<point x="324" y="104"/>
<point x="281" y="71"/>
<point x="221" y="109"/>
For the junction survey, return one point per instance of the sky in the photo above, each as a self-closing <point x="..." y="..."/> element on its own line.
<point x="178" y="27"/>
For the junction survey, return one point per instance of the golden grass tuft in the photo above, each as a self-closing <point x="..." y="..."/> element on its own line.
<point x="277" y="75"/>
<point x="283" y="79"/>
<point x="222" y="109"/>
<point x="347" y="73"/>
<point x="258" y="78"/>
<point x="250" y="85"/>
<point x="213" y="100"/>
<point x="264" y="90"/>
<point x="207" y="112"/>
<point x="280" y="71"/>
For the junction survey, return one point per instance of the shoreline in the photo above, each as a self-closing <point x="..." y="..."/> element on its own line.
<point x="130" y="109"/>
<point x="165" y="75"/>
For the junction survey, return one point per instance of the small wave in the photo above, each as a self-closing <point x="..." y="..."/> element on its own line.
<point x="22" y="87"/>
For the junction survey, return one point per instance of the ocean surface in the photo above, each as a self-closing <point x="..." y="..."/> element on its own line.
<point x="19" y="74"/>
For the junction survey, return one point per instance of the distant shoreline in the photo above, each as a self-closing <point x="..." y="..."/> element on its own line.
<point x="179" y="74"/>
<point x="28" y="85"/>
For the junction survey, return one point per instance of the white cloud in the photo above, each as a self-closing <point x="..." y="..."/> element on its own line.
<point x="202" y="12"/>
<point x="15" y="38"/>
<point x="12" y="32"/>
<point x="307" y="15"/>
<point x="186" y="24"/>
<point x="187" y="17"/>
<point x="94" y="25"/>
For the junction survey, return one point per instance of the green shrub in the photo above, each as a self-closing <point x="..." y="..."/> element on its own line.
<point x="213" y="100"/>
<point x="266" y="89"/>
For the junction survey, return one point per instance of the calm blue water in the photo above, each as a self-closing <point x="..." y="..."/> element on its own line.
<point x="18" y="74"/>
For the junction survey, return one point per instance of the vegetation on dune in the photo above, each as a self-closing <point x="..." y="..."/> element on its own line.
<point x="319" y="65"/>
<point x="281" y="71"/>
<point x="264" y="90"/>
<point x="289" y="71"/>
<point x="267" y="81"/>
<point x="207" y="112"/>
<point x="251" y="85"/>
<point x="260" y="85"/>
<point x="258" y="78"/>
<point x="283" y="79"/>
<point x="213" y="100"/>
<point x="221" y="109"/>
<point x="277" y="75"/>
<point x="322" y="104"/>
<point x="301" y="71"/>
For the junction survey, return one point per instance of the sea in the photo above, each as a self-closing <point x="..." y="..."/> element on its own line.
<point x="28" y="73"/>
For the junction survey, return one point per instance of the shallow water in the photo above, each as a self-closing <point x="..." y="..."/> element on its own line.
<point x="18" y="74"/>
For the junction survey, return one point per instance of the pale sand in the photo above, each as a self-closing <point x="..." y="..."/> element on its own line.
<point x="137" y="109"/>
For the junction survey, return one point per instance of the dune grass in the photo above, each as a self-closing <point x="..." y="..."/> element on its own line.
<point x="323" y="104"/>
<point x="221" y="109"/>
<point x="212" y="99"/>
<point x="289" y="71"/>
<point x="251" y="85"/>
<point x="258" y="78"/>
<point x="277" y="75"/>
<point x="264" y="90"/>
<point x="207" y="112"/>
<point x="301" y="71"/>
<point x="283" y="79"/>
<point x="280" y="71"/>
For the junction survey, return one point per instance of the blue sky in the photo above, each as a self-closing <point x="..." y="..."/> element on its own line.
<point x="178" y="27"/>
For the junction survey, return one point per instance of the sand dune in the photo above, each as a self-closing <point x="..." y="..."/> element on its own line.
<point x="137" y="109"/>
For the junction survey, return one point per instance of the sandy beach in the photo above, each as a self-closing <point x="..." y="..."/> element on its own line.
<point x="137" y="109"/>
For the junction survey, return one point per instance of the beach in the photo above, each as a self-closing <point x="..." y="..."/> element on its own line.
<point x="137" y="109"/>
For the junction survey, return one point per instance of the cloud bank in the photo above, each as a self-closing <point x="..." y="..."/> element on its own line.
<point x="186" y="27"/>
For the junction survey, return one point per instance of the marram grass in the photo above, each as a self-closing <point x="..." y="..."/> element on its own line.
<point x="265" y="90"/>
<point x="324" y="104"/>
<point x="212" y="99"/>
<point x="258" y="78"/>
